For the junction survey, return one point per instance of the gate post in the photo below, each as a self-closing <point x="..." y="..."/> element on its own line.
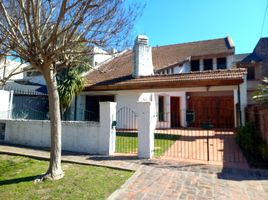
<point x="146" y="128"/>
<point x="107" y="130"/>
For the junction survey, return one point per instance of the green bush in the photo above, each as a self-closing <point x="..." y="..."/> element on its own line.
<point x="253" y="146"/>
<point x="244" y="137"/>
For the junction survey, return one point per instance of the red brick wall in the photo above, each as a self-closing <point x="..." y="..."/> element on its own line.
<point x="259" y="116"/>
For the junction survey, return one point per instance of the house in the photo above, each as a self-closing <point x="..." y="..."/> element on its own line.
<point x="27" y="91"/>
<point x="189" y="84"/>
<point x="256" y="64"/>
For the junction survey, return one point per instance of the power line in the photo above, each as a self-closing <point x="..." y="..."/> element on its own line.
<point x="263" y="22"/>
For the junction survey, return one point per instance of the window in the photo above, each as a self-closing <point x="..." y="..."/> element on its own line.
<point x="195" y="65"/>
<point x="208" y="64"/>
<point x="92" y="111"/>
<point x="221" y="63"/>
<point x="251" y="73"/>
<point x="161" y="108"/>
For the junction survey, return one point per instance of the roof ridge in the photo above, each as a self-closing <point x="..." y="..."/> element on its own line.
<point x="198" y="41"/>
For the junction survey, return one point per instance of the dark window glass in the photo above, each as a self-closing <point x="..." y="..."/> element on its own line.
<point x="251" y="73"/>
<point x="208" y="64"/>
<point x="92" y="112"/>
<point x="195" y="66"/>
<point x="221" y="63"/>
<point x="161" y="108"/>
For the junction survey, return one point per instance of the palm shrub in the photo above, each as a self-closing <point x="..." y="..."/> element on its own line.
<point x="261" y="95"/>
<point x="71" y="82"/>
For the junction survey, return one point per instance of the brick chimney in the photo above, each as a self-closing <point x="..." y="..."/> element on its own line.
<point x="143" y="65"/>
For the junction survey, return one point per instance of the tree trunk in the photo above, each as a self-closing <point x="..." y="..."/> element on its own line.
<point x="54" y="171"/>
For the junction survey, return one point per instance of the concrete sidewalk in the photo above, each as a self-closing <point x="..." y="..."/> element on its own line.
<point x="117" y="162"/>
<point x="161" y="179"/>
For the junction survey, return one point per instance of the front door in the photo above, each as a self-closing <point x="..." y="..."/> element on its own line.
<point x="175" y="112"/>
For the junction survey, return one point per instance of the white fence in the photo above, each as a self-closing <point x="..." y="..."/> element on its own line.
<point x="87" y="137"/>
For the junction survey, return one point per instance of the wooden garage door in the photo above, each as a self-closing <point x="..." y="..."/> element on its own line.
<point x="218" y="110"/>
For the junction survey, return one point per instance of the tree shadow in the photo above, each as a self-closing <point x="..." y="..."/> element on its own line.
<point x="18" y="180"/>
<point x="235" y="174"/>
<point x="114" y="157"/>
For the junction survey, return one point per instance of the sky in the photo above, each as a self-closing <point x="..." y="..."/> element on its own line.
<point x="179" y="21"/>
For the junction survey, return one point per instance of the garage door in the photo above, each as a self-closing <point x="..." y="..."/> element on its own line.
<point x="218" y="110"/>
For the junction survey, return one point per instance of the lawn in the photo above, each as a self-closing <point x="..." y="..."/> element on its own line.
<point x="127" y="142"/>
<point x="80" y="181"/>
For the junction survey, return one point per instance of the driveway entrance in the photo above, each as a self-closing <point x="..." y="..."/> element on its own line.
<point x="217" y="147"/>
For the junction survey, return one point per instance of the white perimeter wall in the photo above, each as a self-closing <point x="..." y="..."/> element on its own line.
<point x="5" y="104"/>
<point x="76" y="136"/>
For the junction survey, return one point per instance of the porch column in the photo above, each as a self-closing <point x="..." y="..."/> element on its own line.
<point x="236" y="120"/>
<point x="146" y="128"/>
<point x="243" y="99"/>
<point x="107" y="130"/>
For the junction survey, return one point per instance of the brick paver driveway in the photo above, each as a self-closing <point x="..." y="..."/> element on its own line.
<point x="162" y="180"/>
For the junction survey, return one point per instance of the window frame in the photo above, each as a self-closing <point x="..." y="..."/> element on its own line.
<point x="161" y="108"/>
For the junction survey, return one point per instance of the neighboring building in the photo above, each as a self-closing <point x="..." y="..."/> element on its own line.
<point x="256" y="64"/>
<point x="196" y="77"/>
<point x="29" y="95"/>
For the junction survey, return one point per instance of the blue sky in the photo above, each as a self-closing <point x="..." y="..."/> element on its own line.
<point x="178" y="21"/>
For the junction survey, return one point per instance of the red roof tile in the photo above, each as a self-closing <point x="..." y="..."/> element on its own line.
<point x="163" y="56"/>
<point x="193" y="79"/>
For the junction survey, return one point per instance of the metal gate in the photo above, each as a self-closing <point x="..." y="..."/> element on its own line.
<point x="126" y="131"/>
<point x="201" y="144"/>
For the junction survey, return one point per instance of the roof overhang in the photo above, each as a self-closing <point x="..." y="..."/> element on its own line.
<point x="196" y="79"/>
<point x="163" y="85"/>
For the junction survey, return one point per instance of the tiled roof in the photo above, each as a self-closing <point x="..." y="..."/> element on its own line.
<point x="193" y="79"/>
<point x="163" y="56"/>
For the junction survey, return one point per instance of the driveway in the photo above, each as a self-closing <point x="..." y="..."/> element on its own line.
<point x="169" y="180"/>
<point x="162" y="179"/>
<point x="216" y="147"/>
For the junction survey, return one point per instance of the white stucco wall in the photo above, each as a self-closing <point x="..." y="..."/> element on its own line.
<point x="185" y="68"/>
<point x="167" y="108"/>
<point x="243" y="99"/>
<point x="88" y="137"/>
<point x="146" y="129"/>
<point x="100" y="56"/>
<point x="127" y="109"/>
<point x="76" y="136"/>
<point x="5" y="104"/>
<point x="130" y="98"/>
